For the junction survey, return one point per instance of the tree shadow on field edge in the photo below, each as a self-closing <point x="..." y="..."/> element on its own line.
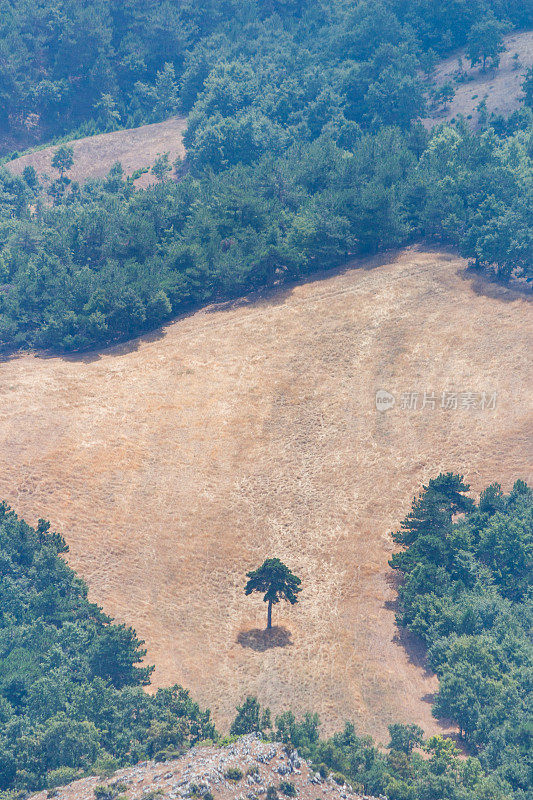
<point x="413" y="645"/>
<point x="261" y="640"/>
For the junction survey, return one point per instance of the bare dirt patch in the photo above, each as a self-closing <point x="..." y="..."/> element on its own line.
<point x="178" y="462"/>
<point x="94" y="156"/>
<point x="501" y="88"/>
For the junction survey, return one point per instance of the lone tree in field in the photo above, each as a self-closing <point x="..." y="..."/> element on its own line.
<point x="276" y="581"/>
<point x="63" y="159"/>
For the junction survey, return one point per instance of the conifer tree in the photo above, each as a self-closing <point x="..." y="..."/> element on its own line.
<point x="276" y="581"/>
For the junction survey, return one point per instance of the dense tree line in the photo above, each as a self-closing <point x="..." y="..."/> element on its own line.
<point x="467" y="569"/>
<point x="303" y="150"/>
<point x="106" y="63"/>
<point x="101" y="262"/>
<point x="71" y="697"/>
<point x="467" y="593"/>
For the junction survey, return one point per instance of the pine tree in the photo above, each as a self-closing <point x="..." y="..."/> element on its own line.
<point x="276" y="581"/>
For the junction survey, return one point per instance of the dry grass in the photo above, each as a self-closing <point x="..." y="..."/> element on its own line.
<point x="95" y="155"/>
<point x="178" y="462"/>
<point x="502" y="89"/>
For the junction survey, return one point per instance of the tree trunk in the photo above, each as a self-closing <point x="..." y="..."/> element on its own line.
<point x="269" y="617"/>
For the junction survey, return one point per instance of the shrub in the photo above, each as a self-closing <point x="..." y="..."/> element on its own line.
<point x="105" y="766"/>
<point x="168" y="754"/>
<point x="287" y="788"/>
<point x="61" y="776"/>
<point x="271" y="793"/>
<point x="104" y="792"/>
<point x="233" y="774"/>
<point x="339" y="778"/>
<point x="323" y="770"/>
<point x="113" y="791"/>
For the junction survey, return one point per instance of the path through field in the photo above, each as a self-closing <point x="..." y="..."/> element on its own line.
<point x="175" y="464"/>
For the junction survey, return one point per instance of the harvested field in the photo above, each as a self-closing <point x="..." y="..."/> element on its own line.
<point x="176" y="463"/>
<point x="94" y="156"/>
<point x="501" y="88"/>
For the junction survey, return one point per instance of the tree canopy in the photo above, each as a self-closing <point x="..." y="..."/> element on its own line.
<point x="304" y="150"/>
<point x="71" y="697"/>
<point x="276" y="581"/>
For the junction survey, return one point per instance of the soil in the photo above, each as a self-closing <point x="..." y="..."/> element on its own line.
<point x="177" y="462"/>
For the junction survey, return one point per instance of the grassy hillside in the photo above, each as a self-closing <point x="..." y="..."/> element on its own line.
<point x="94" y="156"/>
<point x="500" y="88"/>
<point x="182" y="460"/>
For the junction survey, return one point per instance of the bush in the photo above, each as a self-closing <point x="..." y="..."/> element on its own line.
<point x="287" y="788"/>
<point x="233" y="774"/>
<point x="61" y="776"/>
<point x="271" y="793"/>
<point x="105" y="765"/>
<point x="104" y="793"/>
<point x="339" y="778"/>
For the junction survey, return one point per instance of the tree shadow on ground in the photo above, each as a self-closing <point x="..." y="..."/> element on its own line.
<point x="261" y="640"/>
<point x="485" y="285"/>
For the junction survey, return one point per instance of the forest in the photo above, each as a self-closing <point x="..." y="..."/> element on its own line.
<point x="304" y="150"/>
<point x="71" y="697"/>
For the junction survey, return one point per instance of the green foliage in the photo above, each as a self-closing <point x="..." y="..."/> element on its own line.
<point x="527" y="86"/>
<point x="61" y="776"/>
<point x="105" y="262"/>
<point x="233" y="774"/>
<point x="71" y="700"/>
<point x="485" y="41"/>
<point x="276" y="581"/>
<point x="288" y="788"/>
<point x="63" y="159"/>
<point x="403" y="738"/>
<point x="161" y="167"/>
<point x="303" y="151"/>
<point x="467" y="594"/>
<point x="250" y="719"/>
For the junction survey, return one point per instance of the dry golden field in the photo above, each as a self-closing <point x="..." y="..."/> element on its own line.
<point x="94" y="156"/>
<point x="176" y="463"/>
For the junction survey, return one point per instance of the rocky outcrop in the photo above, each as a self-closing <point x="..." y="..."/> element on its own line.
<point x="244" y="770"/>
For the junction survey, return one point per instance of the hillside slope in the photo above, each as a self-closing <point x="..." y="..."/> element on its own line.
<point x="135" y="148"/>
<point x="205" y="767"/>
<point x="501" y="89"/>
<point x="178" y="462"/>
